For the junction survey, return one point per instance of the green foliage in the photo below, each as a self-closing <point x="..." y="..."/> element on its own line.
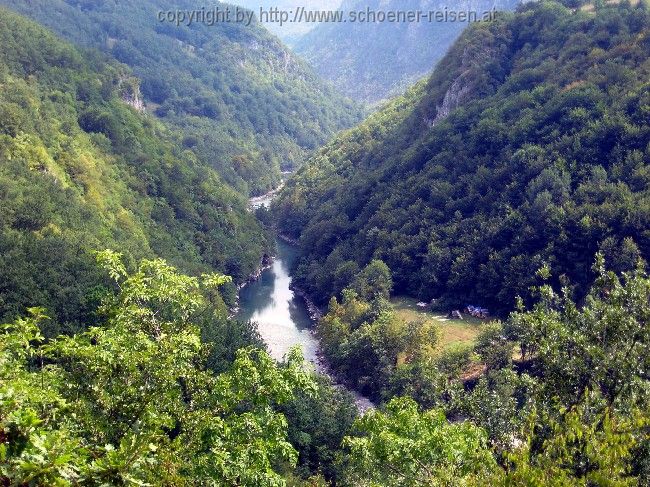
<point x="81" y="170"/>
<point x="318" y="423"/>
<point x="233" y="95"/>
<point x="404" y="447"/>
<point x="602" y="345"/>
<point x="493" y="347"/>
<point x="374" y="281"/>
<point x="427" y="382"/>
<point x="526" y="149"/>
<point x="539" y="163"/>
<point x="582" y="448"/>
<point x="571" y="412"/>
<point x="131" y="402"/>
<point x="527" y="145"/>
<point x="368" y="343"/>
<point x="501" y="403"/>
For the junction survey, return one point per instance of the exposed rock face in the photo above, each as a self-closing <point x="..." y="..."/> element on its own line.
<point x="129" y="90"/>
<point x="454" y="97"/>
<point x="135" y="101"/>
<point x="464" y="85"/>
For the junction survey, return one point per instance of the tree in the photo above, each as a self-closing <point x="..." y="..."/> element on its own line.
<point x="374" y="281"/>
<point x="404" y="447"/>
<point x="317" y="424"/>
<point x="585" y="446"/>
<point x="501" y="403"/>
<point x="132" y="402"/>
<point x="603" y="345"/>
<point x="493" y="347"/>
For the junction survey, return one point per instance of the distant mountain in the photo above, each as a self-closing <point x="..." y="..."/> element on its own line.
<point x="528" y="146"/>
<point x="81" y="169"/>
<point x="289" y="31"/>
<point x="370" y="61"/>
<point x="240" y="100"/>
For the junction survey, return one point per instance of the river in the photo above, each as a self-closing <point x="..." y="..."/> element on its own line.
<point x="282" y="317"/>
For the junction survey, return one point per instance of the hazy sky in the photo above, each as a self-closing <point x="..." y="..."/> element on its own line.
<point x="288" y="31"/>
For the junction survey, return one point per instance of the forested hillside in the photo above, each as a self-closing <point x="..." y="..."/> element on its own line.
<point x="520" y="168"/>
<point x="236" y="96"/>
<point x="373" y="60"/>
<point x="527" y="146"/>
<point x="81" y="170"/>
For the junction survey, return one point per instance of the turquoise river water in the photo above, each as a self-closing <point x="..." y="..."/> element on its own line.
<point x="282" y="317"/>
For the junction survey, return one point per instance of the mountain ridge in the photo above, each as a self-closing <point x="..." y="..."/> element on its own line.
<point x="372" y="61"/>
<point x="82" y="170"/>
<point x="240" y="100"/>
<point x="528" y="170"/>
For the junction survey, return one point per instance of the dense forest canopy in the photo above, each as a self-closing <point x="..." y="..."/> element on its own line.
<point x="515" y="177"/>
<point x="80" y="170"/>
<point x="527" y="145"/>
<point x="132" y="402"/>
<point x="558" y="393"/>
<point x="233" y="94"/>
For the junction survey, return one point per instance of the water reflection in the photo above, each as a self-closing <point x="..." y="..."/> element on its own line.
<point x="282" y="317"/>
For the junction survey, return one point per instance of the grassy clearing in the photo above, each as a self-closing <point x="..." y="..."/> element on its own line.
<point x="453" y="333"/>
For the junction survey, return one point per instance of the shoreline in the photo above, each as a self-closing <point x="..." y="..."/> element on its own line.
<point x="260" y="201"/>
<point x="320" y="363"/>
<point x="315" y="313"/>
<point x="266" y="262"/>
<point x="287" y="239"/>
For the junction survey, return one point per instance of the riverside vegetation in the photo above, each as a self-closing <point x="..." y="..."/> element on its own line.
<point x="514" y="177"/>
<point x="527" y="145"/>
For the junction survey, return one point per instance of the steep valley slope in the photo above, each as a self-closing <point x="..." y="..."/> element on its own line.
<point x="527" y="147"/>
